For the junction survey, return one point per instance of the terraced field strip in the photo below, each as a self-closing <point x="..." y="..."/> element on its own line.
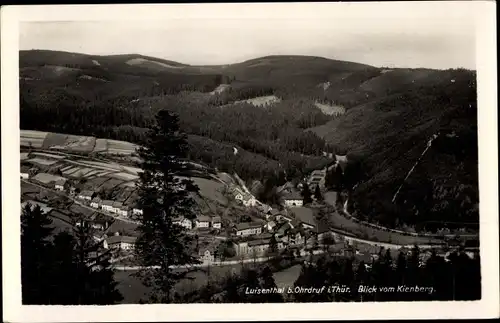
<point x="32" y="138"/>
<point x="48" y="155"/>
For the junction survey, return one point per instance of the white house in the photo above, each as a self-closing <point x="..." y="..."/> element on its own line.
<point x="207" y="255"/>
<point x="119" y="242"/>
<point x="270" y="226"/>
<point x="255" y="247"/>
<point x="245" y="198"/>
<point x="248" y="228"/>
<point x="107" y="205"/>
<point x="120" y="209"/>
<point x="25" y="172"/>
<point x="137" y="211"/>
<point x="216" y="222"/>
<point x="86" y="195"/>
<point x="203" y="222"/>
<point x="293" y="199"/>
<point x="60" y="184"/>
<point x="96" y="202"/>
<point x="183" y="222"/>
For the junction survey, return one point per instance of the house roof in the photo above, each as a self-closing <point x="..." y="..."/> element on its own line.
<point x="258" y="242"/>
<point x="247" y="225"/>
<point x="117" y="204"/>
<point x="107" y="202"/>
<point x="210" y="246"/>
<point x="203" y="218"/>
<point x="86" y="193"/>
<point x="61" y="181"/>
<point x="96" y="199"/>
<point x="294" y="195"/>
<point x="119" y="239"/>
<point x="25" y="168"/>
<point x="216" y="219"/>
<point x="47" y="178"/>
<point x="304" y="215"/>
<point x="274" y="211"/>
<point x="271" y="224"/>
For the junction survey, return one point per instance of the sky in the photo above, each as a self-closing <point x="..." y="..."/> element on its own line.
<point x="429" y="35"/>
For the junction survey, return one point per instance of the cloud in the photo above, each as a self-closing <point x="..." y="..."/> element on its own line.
<point x="418" y="38"/>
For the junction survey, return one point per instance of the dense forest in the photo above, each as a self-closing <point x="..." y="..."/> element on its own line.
<point x="390" y="116"/>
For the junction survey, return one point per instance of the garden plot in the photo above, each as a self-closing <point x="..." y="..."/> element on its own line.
<point x="77" y="209"/>
<point x="93" y="173"/>
<point x="110" y="184"/>
<point x="66" y="168"/>
<point x="42" y="162"/>
<point x="77" y="143"/>
<point x="103" y="173"/>
<point x="101" y="165"/>
<point x="70" y="171"/>
<point x="130" y="184"/>
<point x="46" y="178"/>
<point x="81" y="172"/>
<point x="96" y="182"/>
<point x="132" y="170"/>
<point x="30" y="138"/>
<point x="54" y="140"/>
<point x="24" y="156"/>
<point x="124" y="194"/>
<point x="121" y="147"/>
<point x="101" y="145"/>
<point x="58" y="157"/>
<point x="124" y="176"/>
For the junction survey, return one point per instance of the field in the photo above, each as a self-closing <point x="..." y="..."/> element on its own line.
<point x="330" y="109"/>
<point x="75" y="208"/>
<point x="261" y="100"/>
<point x="48" y="155"/>
<point x="34" y="139"/>
<point x="52" y="139"/>
<point x="121" y="147"/>
<point x="73" y="143"/>
<point x="101" y="145"/>
<point x="124" y="176"/>
<point x="110" y="184"/>
<point x="46" y="178"/>
<point x="42" y="162"/>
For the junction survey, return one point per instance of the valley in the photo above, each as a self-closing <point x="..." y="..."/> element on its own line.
<point x="257" y="133"/>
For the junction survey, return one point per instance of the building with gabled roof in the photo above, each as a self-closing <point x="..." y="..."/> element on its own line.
<point x="293" y="199"/>
<point x="86" y="195"/>
<point x="248" y="228"/>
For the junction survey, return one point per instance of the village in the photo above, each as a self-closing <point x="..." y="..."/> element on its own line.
<point x="261" y="232"/>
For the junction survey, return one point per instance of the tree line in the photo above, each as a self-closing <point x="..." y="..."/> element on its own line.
<point x="63" y="268"/>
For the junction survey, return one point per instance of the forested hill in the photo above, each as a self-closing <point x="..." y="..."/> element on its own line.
<point x="382" y="118"/>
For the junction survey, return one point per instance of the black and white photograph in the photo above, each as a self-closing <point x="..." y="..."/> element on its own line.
<point x="252" y="154"/>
